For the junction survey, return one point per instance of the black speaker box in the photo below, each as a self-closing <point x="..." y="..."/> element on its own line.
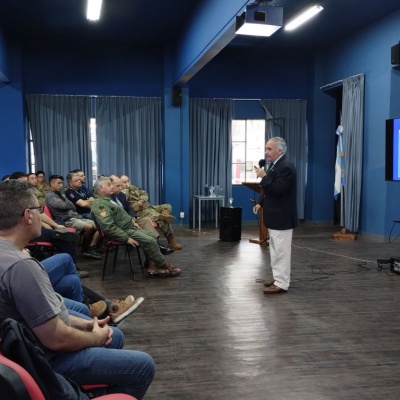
<point x="396" y="54"/>
<point x="176" y="96"/>
<point x="230" y="224"/>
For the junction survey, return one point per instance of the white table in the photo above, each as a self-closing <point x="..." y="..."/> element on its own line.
<point x="220" y="200"/>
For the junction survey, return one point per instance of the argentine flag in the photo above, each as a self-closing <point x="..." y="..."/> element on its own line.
<point x="339" y="165"/>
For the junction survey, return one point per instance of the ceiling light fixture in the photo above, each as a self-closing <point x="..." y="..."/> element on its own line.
<point x="259" y="20"/>
<point x="302" y="18"/>
<point x="93" y="10"/>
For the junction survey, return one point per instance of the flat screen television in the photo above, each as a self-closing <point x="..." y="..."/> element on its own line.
<point x="392" y="164"/>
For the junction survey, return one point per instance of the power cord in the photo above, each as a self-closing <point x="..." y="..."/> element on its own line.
<point x="391" y="230"/>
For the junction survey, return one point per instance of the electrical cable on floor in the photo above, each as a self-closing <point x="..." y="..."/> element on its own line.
<point x="362" y="264"/>
<point x="391" y="230"/>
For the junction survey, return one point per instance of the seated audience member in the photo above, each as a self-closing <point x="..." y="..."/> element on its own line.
<point x="65" y="212"/>
<point x="19" y="175"/>
<point x="65" y="281"/>
<point x="138" y="201"/>
<point x="78" y="195"/>
<point x="41" y="185"/>
<point x="64" y="240"/>
<point x="118" y="225"/>
<point x="86" y="351"/>
<point x="144" y="223"/>
<point x="82" y="177"/>
<point x="40" y="193"/>
<point x="125" y="183"/>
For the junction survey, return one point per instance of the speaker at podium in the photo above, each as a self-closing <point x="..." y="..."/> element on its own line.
<point x="230" y="227"/>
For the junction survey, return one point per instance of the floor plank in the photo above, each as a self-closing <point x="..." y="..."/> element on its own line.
<point x="215" y="335"/>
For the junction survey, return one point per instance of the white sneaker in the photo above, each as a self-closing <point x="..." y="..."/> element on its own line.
<point x="120" y="309"/>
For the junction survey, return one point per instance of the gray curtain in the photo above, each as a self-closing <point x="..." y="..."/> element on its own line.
<point x="288" y="119"/>
<point x="353" y="132"/>
<point x="129" y="140"/>
<point x="210" y="147"/>
<point x="60" y="133"/>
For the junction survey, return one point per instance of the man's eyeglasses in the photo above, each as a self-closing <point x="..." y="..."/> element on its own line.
<point x="39" y="208"/>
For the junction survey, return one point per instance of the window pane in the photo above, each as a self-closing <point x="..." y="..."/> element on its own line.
<point x="248" y="142"/>
<point x="255" y="141"/>
<point x="238" y="174"/>
<point x="239" y="152"/>
<point x="238" y="130"/>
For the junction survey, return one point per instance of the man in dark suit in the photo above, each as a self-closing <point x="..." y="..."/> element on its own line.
<point x="278" y="201"/>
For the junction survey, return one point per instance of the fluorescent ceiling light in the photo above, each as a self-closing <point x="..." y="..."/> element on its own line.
<point x="259" y="20"/>
<point x="93" y="10"/>
<point x="303" y="17"/>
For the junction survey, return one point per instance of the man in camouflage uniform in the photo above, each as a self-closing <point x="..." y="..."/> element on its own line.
<point x="41" y="186"/>
<point x="118" y="225"/>
<point x="138" y="201"/>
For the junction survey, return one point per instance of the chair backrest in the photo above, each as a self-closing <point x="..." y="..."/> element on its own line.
<point x="47" y="211"/>
<point x="16" y="383"/>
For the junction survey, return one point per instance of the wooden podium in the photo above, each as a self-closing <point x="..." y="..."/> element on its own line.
<point x="263" y="235"/>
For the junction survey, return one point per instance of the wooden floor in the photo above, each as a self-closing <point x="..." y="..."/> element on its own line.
<point x="215" y="335"/>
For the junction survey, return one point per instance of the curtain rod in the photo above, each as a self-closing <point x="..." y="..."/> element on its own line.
<point x="337" y="83"/>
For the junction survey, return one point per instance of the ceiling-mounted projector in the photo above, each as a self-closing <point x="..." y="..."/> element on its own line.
<point x="259" y="20"/>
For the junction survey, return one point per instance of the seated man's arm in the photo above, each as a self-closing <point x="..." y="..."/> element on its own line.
<point x="137" y="198"/>
<point x="105" y="220"/>
<point x="48" y="221"/>
<point x="75" y="199"/>
<point x="56" y="202"/>
<point x="55" y="335"/>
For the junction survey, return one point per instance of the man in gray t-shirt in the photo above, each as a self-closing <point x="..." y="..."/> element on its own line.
<point x="86" y="351"/>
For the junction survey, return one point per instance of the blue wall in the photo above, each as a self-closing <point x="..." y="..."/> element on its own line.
<point x="366" y="52"/>
<point x="13" y="150"/>
<point x="62" y="68"/>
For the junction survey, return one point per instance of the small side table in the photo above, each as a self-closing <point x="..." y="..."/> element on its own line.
<point x="220" y="200"/>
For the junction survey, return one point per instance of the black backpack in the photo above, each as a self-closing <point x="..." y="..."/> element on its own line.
<point x="19" y="344"/>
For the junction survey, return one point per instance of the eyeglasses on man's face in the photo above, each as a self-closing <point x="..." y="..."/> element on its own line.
<point x="39" y="208"/>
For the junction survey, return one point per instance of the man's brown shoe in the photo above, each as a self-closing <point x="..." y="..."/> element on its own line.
<point x="268" y="283"/>
<point x="168" y="217"/>
<point x="273" y="289"/>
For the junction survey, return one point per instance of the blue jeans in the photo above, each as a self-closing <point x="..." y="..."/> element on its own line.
<point x="127" y="371"/>
<point x="63" y="276"/>
<point x="76" y="308"/>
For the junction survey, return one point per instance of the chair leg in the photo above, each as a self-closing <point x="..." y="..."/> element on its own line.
<point x="105" y="261"/>
<point x="115" y="257"/>
<point x="128" y="250"/>
<point x="140" y="258"/>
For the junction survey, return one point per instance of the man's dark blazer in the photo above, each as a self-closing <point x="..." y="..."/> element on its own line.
<point x="122" y="198"/>
<point x="279" y="196"/>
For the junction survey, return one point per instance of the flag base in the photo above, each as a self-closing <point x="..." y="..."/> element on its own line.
<point x="344" y="235"/>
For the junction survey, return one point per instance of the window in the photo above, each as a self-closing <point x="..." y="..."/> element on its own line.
<point x="31" y="154"/>
<point x="93" y="143"/>
<point x="248" y="144"/>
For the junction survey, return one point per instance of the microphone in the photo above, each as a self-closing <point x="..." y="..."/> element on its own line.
<point x="262" y="163"/>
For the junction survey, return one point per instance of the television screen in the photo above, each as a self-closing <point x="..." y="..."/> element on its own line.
<point x="392" y="166"/>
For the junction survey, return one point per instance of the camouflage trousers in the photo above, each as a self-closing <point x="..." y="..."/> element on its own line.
<point x="153" y="213"/>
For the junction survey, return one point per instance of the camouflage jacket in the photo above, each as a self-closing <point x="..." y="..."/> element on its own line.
<point x="134" y="195"/>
